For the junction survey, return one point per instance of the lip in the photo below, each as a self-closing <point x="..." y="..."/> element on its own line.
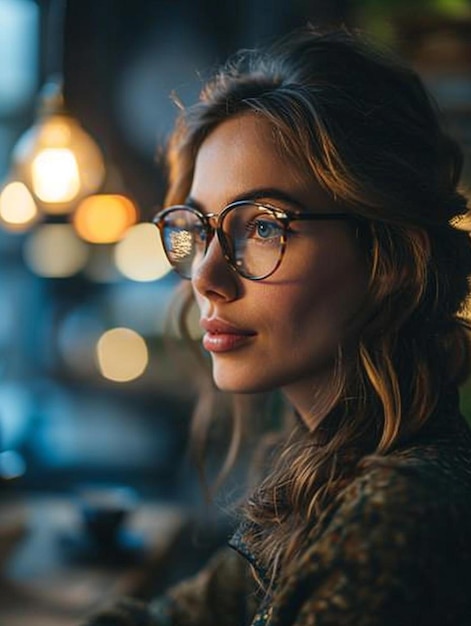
<point x="222" y="336"/>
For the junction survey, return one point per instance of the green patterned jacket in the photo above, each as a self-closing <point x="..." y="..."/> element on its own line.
<point x="394" y="549"/>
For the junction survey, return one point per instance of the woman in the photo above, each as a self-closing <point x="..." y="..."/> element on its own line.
<point x="313" y="205"/>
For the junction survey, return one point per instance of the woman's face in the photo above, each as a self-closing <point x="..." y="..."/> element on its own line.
<point x="282" y="331"/>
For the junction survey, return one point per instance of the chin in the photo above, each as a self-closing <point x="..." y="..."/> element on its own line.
<point x="232" y="383"/>
<point x="244" y="389"/>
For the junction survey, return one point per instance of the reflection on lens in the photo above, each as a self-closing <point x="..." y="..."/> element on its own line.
<point x="180" y="244"/>
<point x="251" y="237"/>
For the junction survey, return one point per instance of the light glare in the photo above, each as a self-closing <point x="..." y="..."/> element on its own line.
<point x="55" y="251"/>
<point x="17" y="206"/>
<point x="140" y="256"/>
<point x="56" y="176"/>
<point x="104" y="218"/>
<point x="122" y="355"/>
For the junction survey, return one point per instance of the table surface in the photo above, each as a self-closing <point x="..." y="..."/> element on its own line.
<point x="51" y="576"/>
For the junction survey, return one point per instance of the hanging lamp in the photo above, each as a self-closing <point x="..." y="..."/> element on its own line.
<point x="56" y="159"/>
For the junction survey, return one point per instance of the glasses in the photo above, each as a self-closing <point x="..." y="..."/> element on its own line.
<point x="252" y="235"/>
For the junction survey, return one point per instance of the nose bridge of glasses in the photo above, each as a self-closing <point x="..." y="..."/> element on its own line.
<point x="211" y="223"/>
<point x="212" y="220"/>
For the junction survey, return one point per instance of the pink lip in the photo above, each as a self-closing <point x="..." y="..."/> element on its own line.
<point x="221" y="336"/>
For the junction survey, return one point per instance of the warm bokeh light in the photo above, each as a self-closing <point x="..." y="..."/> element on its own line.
<point x="59" y="162"/>
<point x="17" y="207"/>
<point x="55" y="175"/>
<point x="55" y="251"/>
<point x="122" y="355"/>
<point x="104" y="218"/>
<point x="140" y="256"/>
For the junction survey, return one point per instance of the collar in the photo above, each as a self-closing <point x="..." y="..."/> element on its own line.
<point x="241" y="543"/>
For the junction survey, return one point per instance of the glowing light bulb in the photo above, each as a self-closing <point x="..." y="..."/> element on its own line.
<point x="55" y="175"/>
<point x="57" y="160"/>
<point x="17" y="207"/>
<point x="122" y="355"/>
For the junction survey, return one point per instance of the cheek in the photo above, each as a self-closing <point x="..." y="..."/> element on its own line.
<point x="323" y="300"/>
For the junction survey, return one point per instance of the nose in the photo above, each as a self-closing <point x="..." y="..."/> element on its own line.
<point x="213" y="278"/>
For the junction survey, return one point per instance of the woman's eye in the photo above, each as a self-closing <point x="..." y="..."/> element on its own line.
<point x="264" y="229"/>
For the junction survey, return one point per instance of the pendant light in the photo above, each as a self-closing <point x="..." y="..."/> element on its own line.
<point x="56" y="160"/>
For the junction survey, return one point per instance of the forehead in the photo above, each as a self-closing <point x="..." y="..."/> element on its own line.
<point x="245" y="153"/>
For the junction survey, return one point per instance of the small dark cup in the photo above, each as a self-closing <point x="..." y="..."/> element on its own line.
<point x="104" y="510"/>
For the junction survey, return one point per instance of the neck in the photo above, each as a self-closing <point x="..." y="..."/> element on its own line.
<point x="313" y="398"/>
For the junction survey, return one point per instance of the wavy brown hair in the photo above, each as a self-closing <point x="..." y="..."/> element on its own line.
<point x="362" y="125"/>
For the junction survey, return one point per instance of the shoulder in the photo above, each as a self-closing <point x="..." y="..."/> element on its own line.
<point x="394" y="547"/>
<point x="427" y="480"/>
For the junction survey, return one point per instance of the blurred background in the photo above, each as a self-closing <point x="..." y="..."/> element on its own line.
<point x="91" y="402"/>
<point x="87" y="391"/>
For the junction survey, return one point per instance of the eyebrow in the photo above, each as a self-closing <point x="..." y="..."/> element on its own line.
<point x="270" y="193"/>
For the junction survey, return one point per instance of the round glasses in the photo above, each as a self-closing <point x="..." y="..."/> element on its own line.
<point x="252" y="235"/>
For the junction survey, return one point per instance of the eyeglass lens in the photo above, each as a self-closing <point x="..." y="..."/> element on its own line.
<point x="251" y="236"/>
